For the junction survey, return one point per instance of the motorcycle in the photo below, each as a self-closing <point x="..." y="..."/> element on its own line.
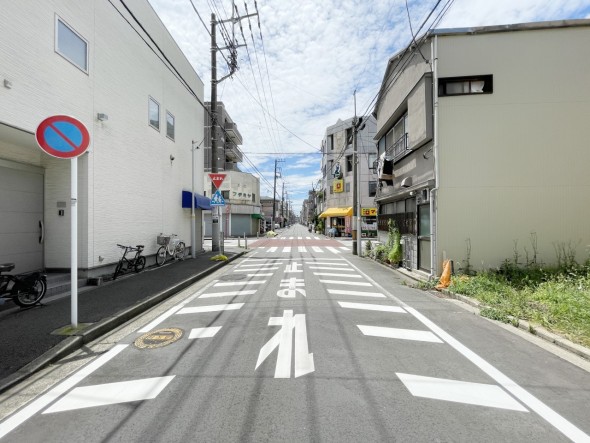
<point x="24" y="289"/>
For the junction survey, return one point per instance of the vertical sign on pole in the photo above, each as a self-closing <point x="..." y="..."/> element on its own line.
<point x="65" y="137"/>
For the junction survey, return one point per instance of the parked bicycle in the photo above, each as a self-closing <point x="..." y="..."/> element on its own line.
<point x="172" y="246"/>
<point x="136" y="263"/>
<point x="24" y="289"/>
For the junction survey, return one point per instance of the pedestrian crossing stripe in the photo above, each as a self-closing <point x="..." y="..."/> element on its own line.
<point x="288" y="249"/>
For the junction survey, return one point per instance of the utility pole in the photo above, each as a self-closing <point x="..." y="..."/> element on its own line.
<point x="283" y="206"/>
<point x="355" y="191"/>
<point x="233" y="67"/>
<point x="356" y="186"/>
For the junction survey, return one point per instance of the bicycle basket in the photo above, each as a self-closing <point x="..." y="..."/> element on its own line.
<point x="163" y="240"/>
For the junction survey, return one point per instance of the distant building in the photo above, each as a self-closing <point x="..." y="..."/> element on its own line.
<point x="337" y="177"/>
<point x="267" y="210"/>
<point x="87" y="60"/>
<point x="240" y="190"/>
<point x="483" y="144"/>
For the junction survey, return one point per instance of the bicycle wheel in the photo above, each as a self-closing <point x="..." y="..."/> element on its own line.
<point x="140" y="264"/>
<point x="161" y="256"/>
<point x="118" y="270"/>
<point x="179" y="251"/>
<point x="26" y="296"/>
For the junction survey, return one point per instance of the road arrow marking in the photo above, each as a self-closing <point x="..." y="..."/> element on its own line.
<point x="283" y="340"/>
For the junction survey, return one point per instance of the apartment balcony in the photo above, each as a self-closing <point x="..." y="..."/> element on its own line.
<point x="233" y="153"/>
<point x="399" y="149"/>
<point x="233" y="134"/>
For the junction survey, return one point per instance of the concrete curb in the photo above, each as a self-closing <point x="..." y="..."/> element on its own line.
<point x="75" y="342"/>
<point x="537" y="330"/>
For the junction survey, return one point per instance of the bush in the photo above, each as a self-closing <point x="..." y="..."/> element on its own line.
<point x="380" y="252"/>
<point x="219" y="257"/>
<point x="393" y="243"/>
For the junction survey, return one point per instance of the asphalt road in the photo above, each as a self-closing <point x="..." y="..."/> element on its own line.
<point x="303" y="344"/>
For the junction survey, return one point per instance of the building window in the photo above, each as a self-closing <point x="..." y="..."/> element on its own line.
<point x="347" y="187"/>
<point x="253" y="197"/>
<point x="225" y="195"/>
<point x="477" y="84"/>
<point x="372" y="188"/>
<point x="331" y="142"/>
<point x="170" y="126"/>
<point x="372" y="160"/>
<point x="349" y="163"/>
<point x="348" y="136"/>
<point x="70" y="45"/>
<point x="154" y="114"/>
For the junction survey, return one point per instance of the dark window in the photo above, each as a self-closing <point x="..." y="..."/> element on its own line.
<point x="225" y="194"/>
<point x="349" y="136"/>
<point x="331" y="142"/>
<point x="372" y="189"/>
<point x="349" y="163"/>
<point x="477" y="84"/>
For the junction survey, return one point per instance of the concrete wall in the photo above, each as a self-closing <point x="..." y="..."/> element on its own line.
<point x="129" y="189"/>
<point x="515" y="161"/>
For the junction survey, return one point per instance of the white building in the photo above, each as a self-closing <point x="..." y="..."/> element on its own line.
<point x="85" y="59"/>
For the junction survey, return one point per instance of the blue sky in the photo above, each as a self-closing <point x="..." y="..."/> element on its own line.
<point x="298" y="72"/>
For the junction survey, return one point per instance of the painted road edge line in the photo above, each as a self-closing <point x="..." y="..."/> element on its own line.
<point x="28" y="411"/>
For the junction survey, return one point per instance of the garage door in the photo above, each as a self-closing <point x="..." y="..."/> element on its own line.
<point x="21" y="216"/>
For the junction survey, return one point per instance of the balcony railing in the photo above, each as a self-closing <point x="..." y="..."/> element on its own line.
<point x="399" y="148"/>
<point x="405" y="222"/>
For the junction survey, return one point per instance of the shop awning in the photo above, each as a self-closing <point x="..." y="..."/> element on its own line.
<point x="336" y="212"/>
<point x="258" y="216"/>
<point x="201" y="202"/>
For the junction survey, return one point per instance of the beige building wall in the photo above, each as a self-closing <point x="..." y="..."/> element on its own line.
<point x="516" y="161"/>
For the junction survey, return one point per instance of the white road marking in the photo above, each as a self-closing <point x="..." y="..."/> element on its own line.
<point x="111" y="393"/>
<point x="331" y="249"/>
<point x="260" y="275"/>
<point x="292" y="268"/>
<point x="335" y="274"/>
<point x="283" y="340"/>
<point x="302" y="249"/>
<point x="346" y="248"/>
<point x="272" y="249"/>
<point x="204" y="332"/>
<point x="287" y="249"/>
<point x="329" y="268"/>
<point x="329" y="263"/>
<point x="174" y="309"/>
<point x="316" y="238"/>
<point x="240" y="283"/>
<point x="211" y="308"/>
<point x="371" y="307"/>
<point x="256" y="265"/>
<point x="28" y="411"/>
<point x="479" y="394"/>
<point x="228" y="294"/>
<point x="560" y="423"/>
<point x="349" y="283"/>
<point x="308" y="238"/>
<point x="317" y="249"/>
<point x="299" y="238"/>
<point x="402" y="334"/>
<point x="359" y="293"/>
<point x="291" y="238"/>
<point x="262" y="268"/>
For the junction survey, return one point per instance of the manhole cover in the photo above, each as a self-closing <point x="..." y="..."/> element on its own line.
<point x="158" y="338"/>
<point x="233" y="277"/>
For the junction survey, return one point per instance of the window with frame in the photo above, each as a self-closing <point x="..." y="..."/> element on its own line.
<point x="348" y="136"/>
<point x="71" y="45"/>
<point x="349" y="163"/>
<point x="330" y="140"/>
<point x="225" y="195"/>
<point x="477" y="84"/>
<point x="372" y="188"/>
<point x="170" y="125"/>
<point x="154" y="114"/>
<point x="372" y="159"/>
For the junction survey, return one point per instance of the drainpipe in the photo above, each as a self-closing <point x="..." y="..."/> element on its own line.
<point x="433" y="191"/>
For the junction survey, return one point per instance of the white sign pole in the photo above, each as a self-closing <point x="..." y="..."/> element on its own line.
<point x="74" y="240"/>
<point x="193" y="220"/>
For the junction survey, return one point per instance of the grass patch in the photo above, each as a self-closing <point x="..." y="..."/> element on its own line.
<point x="558" y="300"/>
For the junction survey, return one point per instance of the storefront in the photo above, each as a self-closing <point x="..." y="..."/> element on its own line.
<point x="339" y="219"/>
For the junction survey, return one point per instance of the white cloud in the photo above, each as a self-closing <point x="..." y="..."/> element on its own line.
<point x="317" y="54"/>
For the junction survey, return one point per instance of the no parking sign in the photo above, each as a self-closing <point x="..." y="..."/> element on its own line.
<point x="62" y="136"/>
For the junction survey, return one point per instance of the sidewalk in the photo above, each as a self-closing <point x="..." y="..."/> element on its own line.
<point x="26" y="340"/>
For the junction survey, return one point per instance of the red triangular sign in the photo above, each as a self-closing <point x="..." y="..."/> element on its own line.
<point x="217" y="179"/>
